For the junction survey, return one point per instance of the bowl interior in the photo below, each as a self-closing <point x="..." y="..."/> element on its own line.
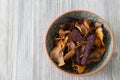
<point x="80" y="15"/>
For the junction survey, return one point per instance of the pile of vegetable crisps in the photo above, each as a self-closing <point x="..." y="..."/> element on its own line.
<point x="78" y="44"/>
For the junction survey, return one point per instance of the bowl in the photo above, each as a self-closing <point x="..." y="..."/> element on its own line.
<point x="81" y="14"/>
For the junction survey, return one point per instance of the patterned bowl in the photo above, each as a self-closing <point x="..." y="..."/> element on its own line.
<point x="80" y="14"/>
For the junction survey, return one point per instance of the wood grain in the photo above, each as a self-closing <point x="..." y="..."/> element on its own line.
<point x="23" y="25"/>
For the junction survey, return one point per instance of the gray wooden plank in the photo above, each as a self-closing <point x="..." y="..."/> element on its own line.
<point x="25" y="41"/>
<point x="3" y="39"/>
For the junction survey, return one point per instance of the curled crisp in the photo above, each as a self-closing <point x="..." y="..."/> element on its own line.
<point x="100" y="35"/>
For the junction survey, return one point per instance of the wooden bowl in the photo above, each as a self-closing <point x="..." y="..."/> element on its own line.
<point x="81" y="14"/>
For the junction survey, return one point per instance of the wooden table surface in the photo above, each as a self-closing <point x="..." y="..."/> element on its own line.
<point x="23" y="25"/>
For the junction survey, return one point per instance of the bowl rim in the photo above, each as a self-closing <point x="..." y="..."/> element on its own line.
<point x="85" y="74"/>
